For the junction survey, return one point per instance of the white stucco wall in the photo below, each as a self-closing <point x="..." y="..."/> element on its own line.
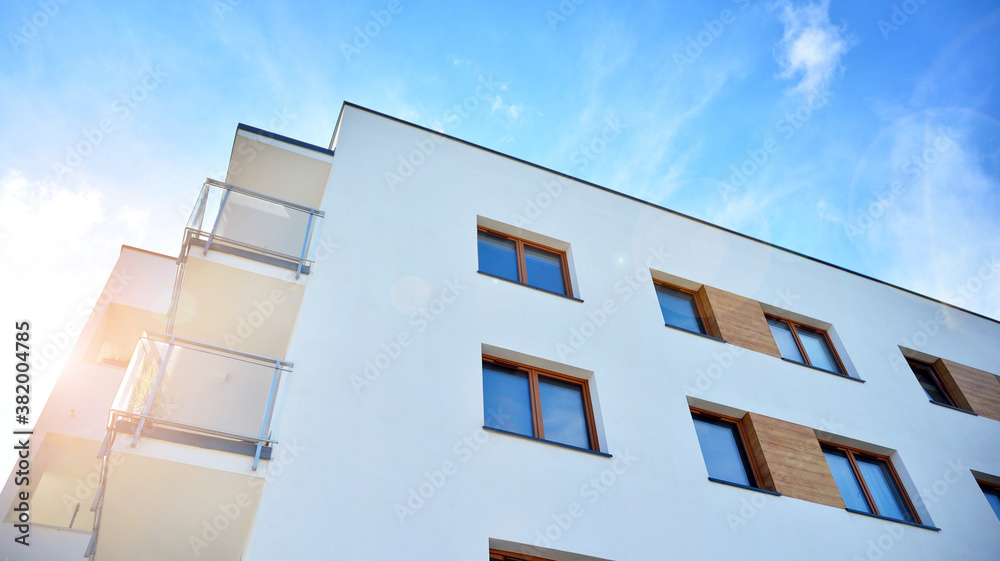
<point x="385" y="401"/>
<point x="359" y="450"/>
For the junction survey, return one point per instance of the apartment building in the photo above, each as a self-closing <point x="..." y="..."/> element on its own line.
<point x="407" y="346"/>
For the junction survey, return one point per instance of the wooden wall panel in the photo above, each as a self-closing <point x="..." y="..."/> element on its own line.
<point x="739" y="321"/>
<point x="789" y="459"/>
<point x="979" y="388"/>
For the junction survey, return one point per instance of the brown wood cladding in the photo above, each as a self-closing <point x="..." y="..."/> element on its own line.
<point x="790" y="460"/>
<point x="739" y="321"/>
<point x="980" y="389"/>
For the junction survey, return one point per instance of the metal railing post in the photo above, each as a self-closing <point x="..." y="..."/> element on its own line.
<point x="266" y="423"/>
<point x="305" y="245"/>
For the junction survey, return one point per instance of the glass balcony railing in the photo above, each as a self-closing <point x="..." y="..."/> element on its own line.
<point x="175" y="388"/>
<point x="244" y="222"/>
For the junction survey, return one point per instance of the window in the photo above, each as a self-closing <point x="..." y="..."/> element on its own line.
<point x="722" y="445"/>
<point x="931" y="382"/>
<point x="805" y="345"/>
<point x="992" y="493"/>
<point x="680" y="308"/>
<point x="537" y="403"/>
<point x="868" y="484"/>
<point x="524" y="262"/>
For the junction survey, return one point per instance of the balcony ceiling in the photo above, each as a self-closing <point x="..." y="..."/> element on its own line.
<point x="157" y="510"/>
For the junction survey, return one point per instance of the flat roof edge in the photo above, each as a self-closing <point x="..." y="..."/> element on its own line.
<point x="282" y="138"/>
<point x="141" y="250"/>
<point x="663" y="208"/>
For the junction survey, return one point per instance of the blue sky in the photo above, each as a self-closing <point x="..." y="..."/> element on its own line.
<point x="861" y="133"/>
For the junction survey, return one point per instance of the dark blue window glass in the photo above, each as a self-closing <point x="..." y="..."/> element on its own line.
<point x="884" y="491"/>
<point x="929" y="381"/>
<point x="722" y="448"/>
<point x="850" y="490"/>
<point x="993" y="497"/>
<point x="498" y="256"/>
<point x="786" y="341"/>
<point x="679" y="309"/>
<point x="818" y="350"/>
<point x="544" y="269"/>
<point x="563" y="412"/>
<point x="507" y="399"/>
<point x="504" y="257"/>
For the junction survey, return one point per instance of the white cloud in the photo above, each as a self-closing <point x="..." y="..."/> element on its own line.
<point x="943" y="232"/>
<point x="812" y="47"/>
<point x="57" y="246"/>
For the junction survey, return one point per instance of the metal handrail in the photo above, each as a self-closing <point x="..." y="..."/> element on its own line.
<point x="245" y="245"/>
<point x="214" y="349"/>
<point x="263" y="197"/>
<point x="195" y="428"/>
<point x="263" y="436"/>
<point x="196" y="223"/>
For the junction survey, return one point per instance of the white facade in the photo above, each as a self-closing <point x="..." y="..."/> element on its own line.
<point x="381" y="451"/>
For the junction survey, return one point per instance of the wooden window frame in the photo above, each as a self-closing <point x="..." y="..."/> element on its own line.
<point x="795" y="325"/>
<point x="699" y="308"/>
<point x="938" y="380"/>
<point x="744" y="442"/>
<point x="522" y="269"/>
<point x="536" y="398"/>
<point x="851" y="452"/>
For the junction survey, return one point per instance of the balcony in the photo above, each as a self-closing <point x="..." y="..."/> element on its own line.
<point x="194" y="393"/>
<point x="242" y="222"/>
<point x="180" y="403"/>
